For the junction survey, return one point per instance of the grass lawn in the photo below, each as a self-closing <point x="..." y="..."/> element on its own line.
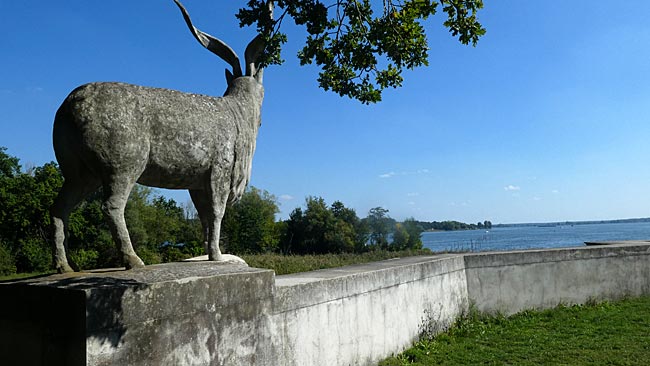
<point x="598" y="334"/>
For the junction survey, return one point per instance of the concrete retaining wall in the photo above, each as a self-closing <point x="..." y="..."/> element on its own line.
<point x="204" y="314"/>
<point x="360" y="314"/>
<point x="509" y="282"/>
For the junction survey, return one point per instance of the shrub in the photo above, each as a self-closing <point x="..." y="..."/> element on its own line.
<point x="193" y="249"/>
<point x="285" y="264"/>
<point x="34" y="255"/>
<point x="173" y="254"/>
<point x="7" y="264"/>
<point x="148" y="256"/>
<point x="85" y="258"/>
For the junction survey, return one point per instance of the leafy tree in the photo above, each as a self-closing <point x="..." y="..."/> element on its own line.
<point x="34" y="255"/>
<point x="249" y="225"/>
<point x="9" y="166"/>
<point x="293" y="237"/>
<point x="343" y="213"/>
<point x="339" y="238"/>
<point x="137" y="215"/>
<point x="321" y="229"/>
<point x="25" y="200"/>
<point x="361" y="46"/>
<point x="400" y="238"/>
<point x="7" y="262"/>
<point x="380" y="225"/>
<point x="359" y="227"/>
<point x="319" y="220"/>
<point x="414" y="230"/>
<point x="89" y="240"/>
<point x="87" y="259"/>
<point x="406" y="235"/>
<point x="157" y="224"/>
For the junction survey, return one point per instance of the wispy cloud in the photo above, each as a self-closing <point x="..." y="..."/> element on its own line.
<point x="412" y="172"/>
<point x="412" y="194"/>
<point x="555" y="191"/>
<point x="462" y="204"/>
<point x="537" y="198"/>
<point x="286" y="197"/>
<point x="511" y="187"/>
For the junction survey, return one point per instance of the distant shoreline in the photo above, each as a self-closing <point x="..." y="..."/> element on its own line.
<point x="565" y="223"/>
<point x="445" y="231"/>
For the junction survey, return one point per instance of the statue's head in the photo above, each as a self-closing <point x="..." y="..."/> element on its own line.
<point x="251" y="79"/>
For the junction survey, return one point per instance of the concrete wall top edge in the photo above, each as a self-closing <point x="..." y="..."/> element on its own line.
<point x="497" y="259"/>
<point x="330" y="273"/>
<point x="310" y="288"/>
<point x="154" y="274"/>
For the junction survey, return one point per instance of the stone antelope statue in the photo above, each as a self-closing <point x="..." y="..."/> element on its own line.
<point x="112" y="135"/>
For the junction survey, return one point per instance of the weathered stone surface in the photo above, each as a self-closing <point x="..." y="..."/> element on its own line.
<point x="172" y="314"/>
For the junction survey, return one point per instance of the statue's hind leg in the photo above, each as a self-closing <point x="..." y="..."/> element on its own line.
<point x="202" y="203"/>
<point x="73" y="191"/>
<point x="116" y="194"/>
<point x="217" y="195"/>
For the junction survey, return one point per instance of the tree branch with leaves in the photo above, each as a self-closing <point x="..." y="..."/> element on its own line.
<point x="361" y="46"/>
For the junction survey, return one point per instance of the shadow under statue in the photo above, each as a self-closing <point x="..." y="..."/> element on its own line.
<point x="112" y="135"/>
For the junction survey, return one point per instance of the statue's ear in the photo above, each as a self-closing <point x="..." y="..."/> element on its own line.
<point x="259" y="75"/>
<point x="229" y="77"/>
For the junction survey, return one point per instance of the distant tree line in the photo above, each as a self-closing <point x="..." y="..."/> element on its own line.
<point x="453" y="225"/>
<point x="162" y="230"/>
<point x="320" y="228"/>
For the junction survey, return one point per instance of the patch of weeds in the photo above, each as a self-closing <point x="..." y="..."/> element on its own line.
<point x="286" y="264"/>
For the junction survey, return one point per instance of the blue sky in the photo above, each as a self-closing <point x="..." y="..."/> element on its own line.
<point x="545" y="120"/>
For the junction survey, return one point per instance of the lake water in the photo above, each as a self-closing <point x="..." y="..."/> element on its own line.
<point x="533" y="237"/>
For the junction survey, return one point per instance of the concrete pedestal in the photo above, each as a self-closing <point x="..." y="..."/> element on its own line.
<point x="171" y="314"/>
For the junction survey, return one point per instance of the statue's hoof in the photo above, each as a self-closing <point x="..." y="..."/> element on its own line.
<point x="133" y="262"/>
<point x="197" y="259"/>
<point x="225" y="258"/>
<point x="64" y="268"/>
<point x="229" y="258"/>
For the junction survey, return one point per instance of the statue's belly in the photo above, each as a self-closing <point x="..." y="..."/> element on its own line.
<point x="180" y="179"/>
<point x="182" y="168"/>
<point x="178" y="164"/>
